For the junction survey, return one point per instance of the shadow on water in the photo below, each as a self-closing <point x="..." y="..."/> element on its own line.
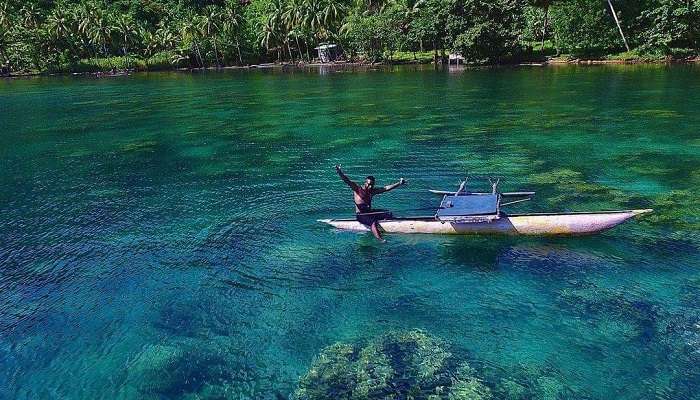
<point x="548" y="255"/>
<point x="475" y="253"/>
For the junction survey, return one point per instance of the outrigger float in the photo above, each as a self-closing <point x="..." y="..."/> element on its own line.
<point x="465" y="213"/>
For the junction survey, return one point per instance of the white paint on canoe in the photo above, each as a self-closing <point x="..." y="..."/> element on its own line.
<point x="580" y="223"/>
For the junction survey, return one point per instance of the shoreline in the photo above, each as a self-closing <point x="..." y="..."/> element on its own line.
<point x="355" y="64"/>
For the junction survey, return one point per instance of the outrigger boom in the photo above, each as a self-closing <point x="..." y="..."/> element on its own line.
<point x="464" y="213"/>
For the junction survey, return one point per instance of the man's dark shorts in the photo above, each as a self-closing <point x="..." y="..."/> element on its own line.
<point x="373" y="216"/>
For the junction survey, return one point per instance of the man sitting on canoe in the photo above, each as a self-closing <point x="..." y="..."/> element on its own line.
<point x="363" y="200"/>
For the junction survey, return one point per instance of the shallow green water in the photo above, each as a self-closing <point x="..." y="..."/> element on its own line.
<point x="158" y="234"/>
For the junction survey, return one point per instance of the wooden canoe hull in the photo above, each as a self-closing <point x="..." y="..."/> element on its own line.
<point x="584" y="223"/>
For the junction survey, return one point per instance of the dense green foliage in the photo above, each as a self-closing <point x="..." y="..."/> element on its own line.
<point x="583" y="27"/>
<point x="79" y="34"/>
<point x="485" y="31"/>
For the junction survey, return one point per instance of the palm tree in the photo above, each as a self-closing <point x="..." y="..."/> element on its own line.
<point x="270" y="36"/>
<point x="293" y="17"/>
<point x="61" y="29"/>
<point x="30" y="14"/>
<point x="274" y="32"/>
<point x="58" y="25"/>
<point x="100" y="32"/>
<point x="211" y="23"/>
<point x="191" y="33"/>
<point x="232" y="23"/>
<point x="313" y="16"/>
<point x="127" y="29"/>
<point x="322" y="17"/>
<point x="332" y="11"/>
<point x="165" y="37"/>
<point x="544" y="5"/>
<point x="84" y="15"/>
<point x="296" y="34"/>
<point x="150" y="42"/>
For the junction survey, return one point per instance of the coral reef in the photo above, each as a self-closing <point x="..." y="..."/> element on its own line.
<point x="573" y="187"/>
<point x="678" y="209"/>
<point x="414" y="365"/>
<point x="410" y="365"/>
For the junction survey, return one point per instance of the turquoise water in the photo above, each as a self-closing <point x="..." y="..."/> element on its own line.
<point x="158" y="234"/>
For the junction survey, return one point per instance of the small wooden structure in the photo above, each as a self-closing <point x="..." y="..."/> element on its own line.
<point x="328" y="52"/>
<point x="5" y="69"/>
<point x="456" y="57"/>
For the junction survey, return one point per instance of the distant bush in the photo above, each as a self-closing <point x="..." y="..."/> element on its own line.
<point x="158" y="62"/>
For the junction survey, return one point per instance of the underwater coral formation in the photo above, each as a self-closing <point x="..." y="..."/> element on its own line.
<point x="415" y="365"/>
<point x="409" y="364"/>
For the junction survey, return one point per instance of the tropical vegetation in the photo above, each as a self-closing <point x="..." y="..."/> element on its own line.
<point x="83" y="35"/>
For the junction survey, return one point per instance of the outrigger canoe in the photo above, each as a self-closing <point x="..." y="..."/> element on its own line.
<point x="462" y="213"/>
<point x="580" y="223"/>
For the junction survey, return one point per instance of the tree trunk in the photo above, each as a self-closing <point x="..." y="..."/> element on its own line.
<point x="126" y="53"/>
<point x="238" y="47"/>
<point x="435" y="53"/>
<point x="216" y="54"/>
<point x="216" y="50"/>
<point x="544" y="26"/>
<point x="5" y="62"/>
<point x="199" y="55"/>
<point x="301" y="56"/>
<point x="617" y="21"/>
<point x="289" y="49"/>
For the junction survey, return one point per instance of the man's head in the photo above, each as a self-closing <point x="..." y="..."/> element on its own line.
<point x="369" y="182"/>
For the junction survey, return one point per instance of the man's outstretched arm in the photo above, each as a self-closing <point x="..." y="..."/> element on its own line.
<point x="345" y="178"/>
<point x="389" y="187"/>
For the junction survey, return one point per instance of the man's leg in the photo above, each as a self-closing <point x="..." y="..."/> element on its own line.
<point x="375" y="232"/>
